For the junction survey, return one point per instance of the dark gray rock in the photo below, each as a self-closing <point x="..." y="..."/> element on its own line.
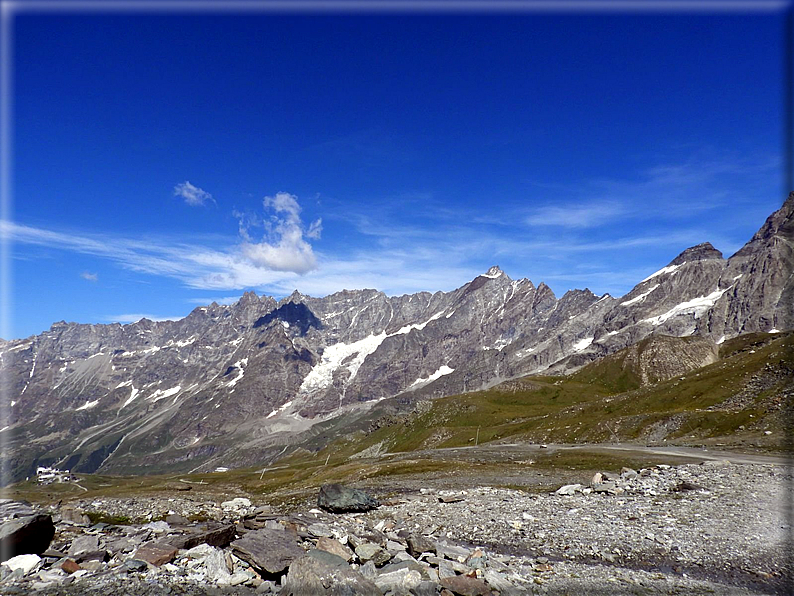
<point x="268" y="550"/>
<point x="308" y="577"/>
<point x="341" y="499"/>
<point x="327" y="558"/>
<point x="418" y="544"/>
<point x="135" y="565"/>
<point x="219" y="535"/>
<point x="27" y="535"/>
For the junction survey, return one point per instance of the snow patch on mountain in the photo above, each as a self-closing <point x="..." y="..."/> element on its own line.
<point x="88" y="405"/>
<point x="163" y="393"/>
<point x="132" y="396"/>
<point x="492" y="273"/>
<point x="421" y="382"/>
<point x="240" y="366"/>
<point x="639" y="298"/>
<point x="696" y="307"/>
<point x="280" y="409"/>
<point x="322" y="375"/>
<point x="409" y="328"/>
<point x="582" y="344"/>
<point x="662" y="271"/>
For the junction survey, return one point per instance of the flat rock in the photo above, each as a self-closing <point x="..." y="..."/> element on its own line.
<point x="465" y="586"/>
<point x="31" y="534"/>
<point x="569" y="489"/>
<point x="328" y="558"/>
<point x="341" y="499"/>
<point x="156" y="553"/>
<point x="267" y="549"/>
<point x="83" y="544"/>
<point x="308" y="577"/>
<point x="220" y="536"/>
<point x="335" y="547"/>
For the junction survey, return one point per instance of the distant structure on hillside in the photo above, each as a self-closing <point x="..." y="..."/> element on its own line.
<point x="46" y="475"/>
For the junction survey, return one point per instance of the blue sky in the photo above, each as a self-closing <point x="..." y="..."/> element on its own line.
<point x="162" y="161"/>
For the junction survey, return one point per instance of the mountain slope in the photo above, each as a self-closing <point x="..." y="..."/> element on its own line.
<point x="239" y="384"/>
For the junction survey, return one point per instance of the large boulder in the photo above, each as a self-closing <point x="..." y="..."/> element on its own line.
<point x="31" y="534"/>
<point x="341" y="499"/>
<point x="309" y="576"/>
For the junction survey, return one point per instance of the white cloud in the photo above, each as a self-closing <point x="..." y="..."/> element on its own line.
<point x="193" y="195"/>
<point x="89" y="276"/>
<point x="285" y="248"/>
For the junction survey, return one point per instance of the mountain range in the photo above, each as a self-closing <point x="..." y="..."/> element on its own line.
<point x="237" y="385"/>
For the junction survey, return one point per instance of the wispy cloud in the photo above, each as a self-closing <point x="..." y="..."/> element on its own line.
<point x="399" y="250"/>
<point x="576" y="216"/>
<point x="193" y="195"/>
<point x="668" y="192"/>
<point x="89" y="276"/>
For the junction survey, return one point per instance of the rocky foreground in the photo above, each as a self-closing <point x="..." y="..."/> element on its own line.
<point x="715" y="528"/>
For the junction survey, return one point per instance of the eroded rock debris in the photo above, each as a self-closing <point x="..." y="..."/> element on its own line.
<point x="715" y="528"/>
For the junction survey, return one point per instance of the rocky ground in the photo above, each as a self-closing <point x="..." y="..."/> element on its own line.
<point x="711" y="528"/>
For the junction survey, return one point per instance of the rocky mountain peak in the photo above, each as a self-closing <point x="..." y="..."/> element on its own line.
<point x="248" y="298"/>
<point x="295" y="297"/>
<point x="780" y="223"/>
<point x="493" y="272"/>
<point x="700" y="252"/>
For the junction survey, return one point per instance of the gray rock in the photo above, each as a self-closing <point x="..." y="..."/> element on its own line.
<point x="398" y="582"/>
<point x="340" y="499"/>
<point x="418" y="544"/>
<point x="414" y="565"/>
<point x="309" y="577"/>
<point x="27" y="535"/>
<point x="426" y="588"/>
<point x="327" y="558"/>
<point x="74" y="517"/>
<point x="372" y="552"/>
<point x="270" y="551"/>
<point x="569" y="489"/>
<point x="83" y="544"/>
<point x="135" y="565"/>
<point x="219" y="535"/>
<point x="217" y="568"/>
<point x="335" y="547"/>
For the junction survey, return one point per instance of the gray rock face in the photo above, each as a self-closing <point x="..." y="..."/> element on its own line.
<point x="341" y="499"/>
<point x="146" y="397"/>
<point x="308" y="576"/>
<point x="271" y="551"/>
